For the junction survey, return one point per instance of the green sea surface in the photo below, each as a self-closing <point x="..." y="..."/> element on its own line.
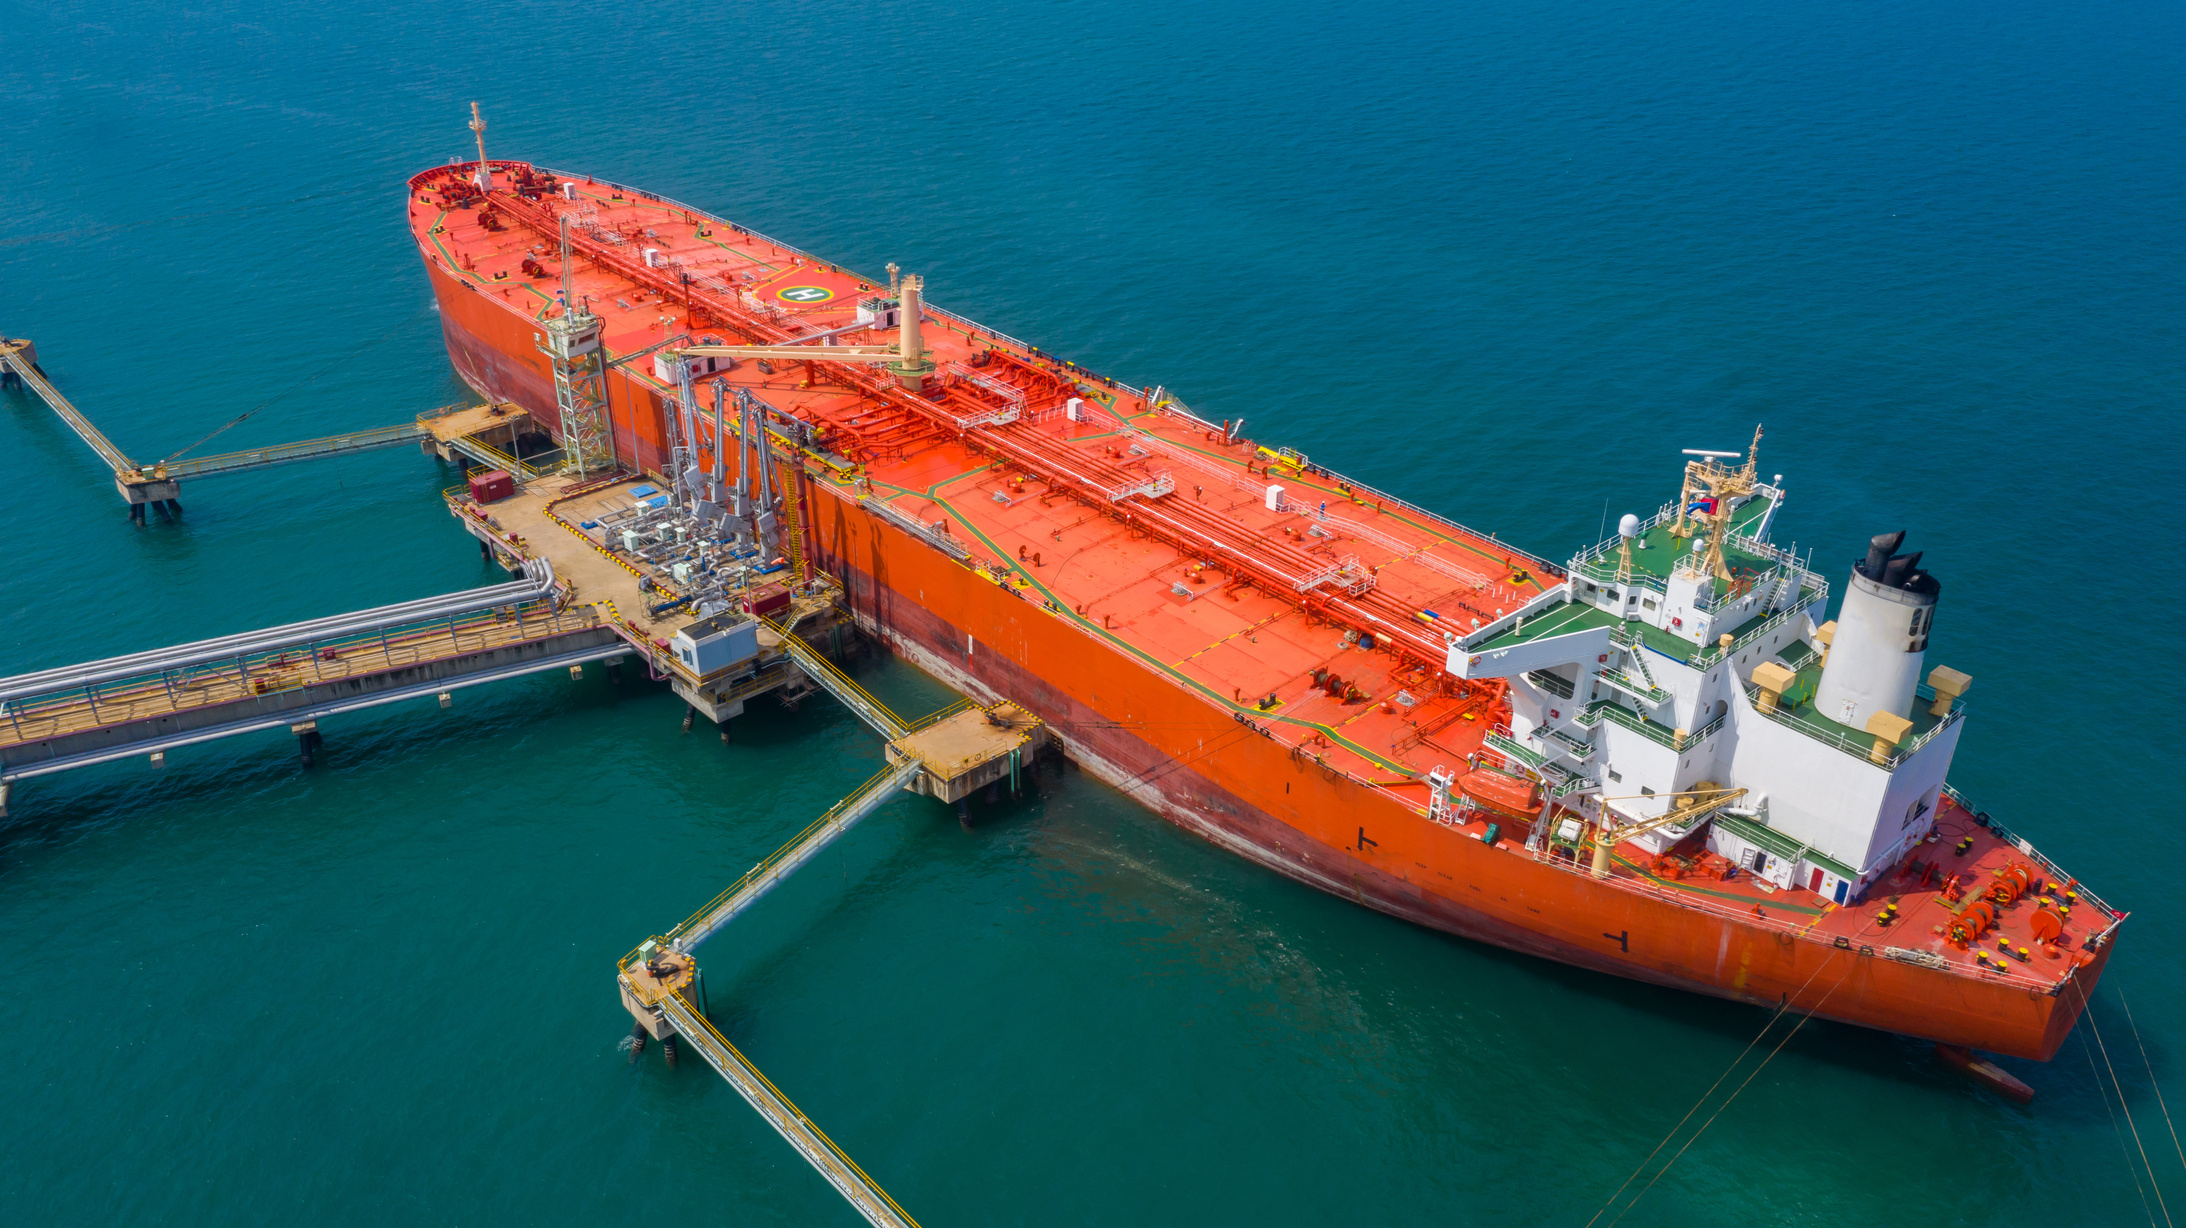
<point x="1503" y="260"/>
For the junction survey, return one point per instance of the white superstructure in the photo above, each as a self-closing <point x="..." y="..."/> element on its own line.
<point x="1690" y="654"/>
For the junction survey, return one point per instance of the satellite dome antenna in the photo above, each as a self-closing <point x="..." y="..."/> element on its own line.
<point x="1628" y="527"/>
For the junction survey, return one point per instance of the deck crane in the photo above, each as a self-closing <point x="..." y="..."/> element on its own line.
<point x="1686" y="809"/>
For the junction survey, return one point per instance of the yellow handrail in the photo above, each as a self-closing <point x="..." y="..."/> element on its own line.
<point x="811" y="657"/>
<point x="710" y="1036"/>
<point x="772" y="859"/>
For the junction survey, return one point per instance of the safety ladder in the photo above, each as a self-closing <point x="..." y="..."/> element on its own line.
<point x="792" y="498"/>
<point x="1633" y="649"/>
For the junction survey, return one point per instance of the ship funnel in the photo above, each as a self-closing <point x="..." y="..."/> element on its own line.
<point x="1879" y="549"/>
<point x="1882" y="632"/>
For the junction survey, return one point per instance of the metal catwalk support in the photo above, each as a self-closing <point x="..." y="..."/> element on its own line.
<point x="663" y="1000"/>
<point x="160" y="482"/>
<point x="802" y="1133"/>
<point x="837" y="683"/>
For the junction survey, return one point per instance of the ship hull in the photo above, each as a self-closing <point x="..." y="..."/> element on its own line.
<point x="1196" y="766"/>
<point x="1188" y="759"/>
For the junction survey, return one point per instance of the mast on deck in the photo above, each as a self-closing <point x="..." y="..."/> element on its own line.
<point x="478" y="126"/>
<point x="572" y="346"/>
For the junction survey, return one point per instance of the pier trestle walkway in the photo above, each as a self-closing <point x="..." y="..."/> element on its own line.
<point x="839" y="684"/>
<point x="945" y="756"/>
<point x="148" y="703"/>
<point x="159" y="485"/>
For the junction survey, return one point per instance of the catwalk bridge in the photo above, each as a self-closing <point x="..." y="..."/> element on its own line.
<point x="948" y="756"/>
<point x="159" y="485"/>
<point x="148" y="703"/>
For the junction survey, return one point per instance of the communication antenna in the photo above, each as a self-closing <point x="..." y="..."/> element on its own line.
<point x="569" y="299"/>
<point x="1628" y="527"/>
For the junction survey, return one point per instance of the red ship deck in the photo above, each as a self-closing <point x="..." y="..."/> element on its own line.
<point x="1218" y="632"/>
<point x="1011" y="549"/>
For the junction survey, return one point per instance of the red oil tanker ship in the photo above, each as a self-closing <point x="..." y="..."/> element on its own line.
<point x="1657" y="760"/>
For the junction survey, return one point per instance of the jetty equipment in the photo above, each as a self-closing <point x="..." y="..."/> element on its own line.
<point x="946" y="756"/>
<point x="159" y="485"/>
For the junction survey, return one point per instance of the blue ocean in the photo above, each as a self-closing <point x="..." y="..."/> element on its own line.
<point x="1505" y="260"/>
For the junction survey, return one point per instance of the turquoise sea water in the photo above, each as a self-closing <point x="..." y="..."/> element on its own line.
<point x="1504" y="260"/>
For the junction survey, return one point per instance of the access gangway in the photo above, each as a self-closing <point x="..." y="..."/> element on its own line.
<point x="149" y="703"/>
<point x="947" y="755"/>
<point x="661" y="1001"/>
<point x="835" y="682"/>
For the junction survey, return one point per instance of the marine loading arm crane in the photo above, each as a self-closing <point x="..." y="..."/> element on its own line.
<point x="907" y="358"/>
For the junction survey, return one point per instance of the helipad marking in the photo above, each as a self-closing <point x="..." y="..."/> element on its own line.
<point x="804" y="294"/>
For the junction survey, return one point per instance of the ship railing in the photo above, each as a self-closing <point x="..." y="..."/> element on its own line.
<point x="795" y="250"/>
<point x="1552" y="683"/>
<point x="1709" y="655"/>
<point x="1594" y="713"/>
<point x="1702" y="734"/>
<point x="1861" y="745"/>
<point x="1154" y="485"/>
<point x="995" y="333"/>
<point x="1608" y="545"/>
<point x="2026" y="848"/>
<point x="999" y="416"/>
<point x="1548" y="568"/>
<point x="1767" y="550"/>
<point x="1577" y="747"/>
<point x="1604" y="571"/>
<point x="1576" y="784"/>
<point x="1919" y="740"/>
<point x="1637" y="688"/>
<point x="1346" y="573"/>
<point x="1508" y="746"/>
<point x="1802" y="929"/>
